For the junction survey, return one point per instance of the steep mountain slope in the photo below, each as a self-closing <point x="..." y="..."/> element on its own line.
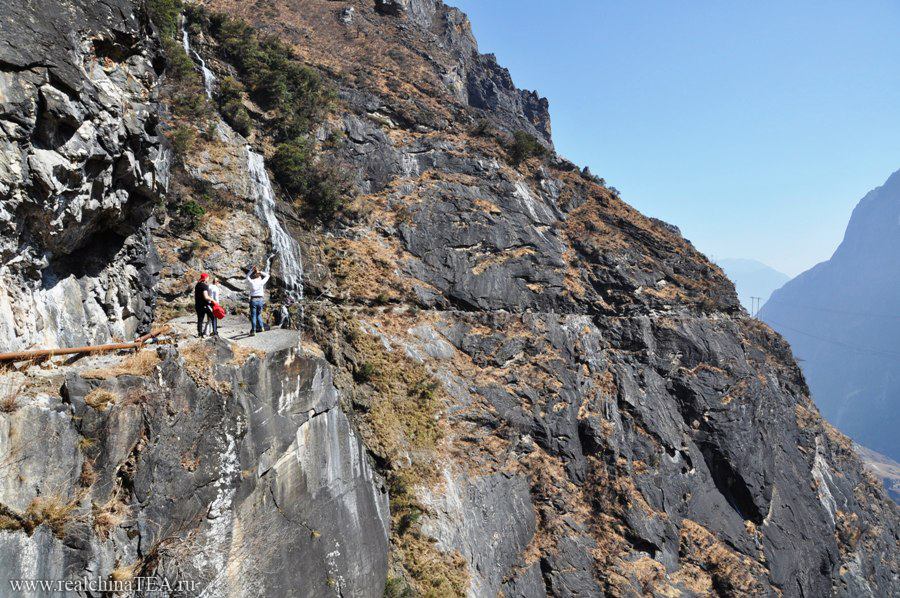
<point x="752" y="279"/>
<point x="509" y="381"/>
<point x="842" y="319"/>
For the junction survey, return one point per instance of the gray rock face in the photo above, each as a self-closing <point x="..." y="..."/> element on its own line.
<point x="80" y="168"/>
<point x="475" y="78"/>
<point x="249" y="483"/>
<point x="489" y="521"/>
<point x="692" y="429"/>
<point x="700" y="410"/>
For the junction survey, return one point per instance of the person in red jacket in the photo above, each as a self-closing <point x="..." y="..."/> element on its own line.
<point x="203" y="304"/>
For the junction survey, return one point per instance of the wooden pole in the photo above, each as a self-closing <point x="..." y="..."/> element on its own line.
<point x="36" y="353"/>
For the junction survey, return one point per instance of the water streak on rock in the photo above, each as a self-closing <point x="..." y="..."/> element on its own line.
<point x="209" y="79"/>
<point x="284" y="245"/>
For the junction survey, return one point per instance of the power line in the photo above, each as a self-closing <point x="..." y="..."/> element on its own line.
<point x="887" y="354"/>
<point x="836" y="311"/>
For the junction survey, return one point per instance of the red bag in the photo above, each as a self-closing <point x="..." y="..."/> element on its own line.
<point x="218" y="311"/>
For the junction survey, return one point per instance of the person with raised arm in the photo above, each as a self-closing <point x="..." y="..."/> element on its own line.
<point x="256" y="282"/>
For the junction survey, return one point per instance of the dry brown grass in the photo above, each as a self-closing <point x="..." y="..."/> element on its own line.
<point x="124" y="573"/>
<point x="141" y="363"/>
<point x="100" y="399"/>
<point x="110" y="515"/>
<point x="9" y="397"/>
<point x="200" y="365"/>
<point x="88" y="475"/>
<point x="242" y="354"/>
<point x="737" y="574"/>
<point x="500" y="258"/>
<point x="53" y="511"/>
<point x="368" y="267"/>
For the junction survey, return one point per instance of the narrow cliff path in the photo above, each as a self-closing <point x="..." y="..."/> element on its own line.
<point x="236" y="329"/>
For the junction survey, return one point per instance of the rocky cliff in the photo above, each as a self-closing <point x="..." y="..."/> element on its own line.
<point x="509" y="383"/>
<point x="81" y="166"/>
<point x="840" y="318"/>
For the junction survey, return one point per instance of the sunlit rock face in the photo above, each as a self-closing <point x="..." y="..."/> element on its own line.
<point x="248" y="481"/>
<point x="80" y="167"/>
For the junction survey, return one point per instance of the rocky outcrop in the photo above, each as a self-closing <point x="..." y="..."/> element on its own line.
<point x="476" y="78"/>
<point x="81" y="166"/>
<point x="233" y="472"/>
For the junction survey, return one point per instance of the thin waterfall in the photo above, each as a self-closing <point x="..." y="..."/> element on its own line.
<point x="285" y="248"/>
<point x="209" y="79"/>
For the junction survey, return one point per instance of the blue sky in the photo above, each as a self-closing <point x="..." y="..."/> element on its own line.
<point x="755" y="127"/>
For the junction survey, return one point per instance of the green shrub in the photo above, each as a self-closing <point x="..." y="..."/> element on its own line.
<point x="330" y="189"/>
<point x="365" y="372"/>
<point x="231" y="104"/>
<point x="183" y="139"/>
<point x="525" y="146"/>
<point x="193" y="212"/>
<point x="321" y="188"/>
<point x="395" y="587"/>
<point x="482" y="128"/>
<point x="336" y="140"/>
<point x="165" y="14"/>
<point x="292" y="164"/>
<point x="189" y="97"/>
<point x="273" y="77"/>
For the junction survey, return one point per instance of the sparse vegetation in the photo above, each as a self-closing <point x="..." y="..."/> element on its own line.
<point x="296" y="98"/>
<point x="55" y="512"/>
<point x="100" y="398"/>
<point x="184" y="93"/>
<point x="136" y="364"/>
<point x="273" y="76"/>
<point x="525" y="146"/>
<point x="9" y="397"/>
<point x="193" y="212"/>
<point x="400" y="424"/>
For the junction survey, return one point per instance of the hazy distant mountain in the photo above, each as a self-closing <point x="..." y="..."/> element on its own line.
<point x="752" y="279"/>
<point x="842" y="319"/>
<point x="884" y="467"/>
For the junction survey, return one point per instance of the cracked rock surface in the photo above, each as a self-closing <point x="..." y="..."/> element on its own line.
<point x="80" y="167"/>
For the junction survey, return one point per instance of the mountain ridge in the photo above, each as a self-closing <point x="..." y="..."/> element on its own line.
<point x="838" y="316"/>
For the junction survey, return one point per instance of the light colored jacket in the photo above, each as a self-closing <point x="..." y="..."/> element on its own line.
<point x="214" y="293"/>
<point x="256" y="286"/>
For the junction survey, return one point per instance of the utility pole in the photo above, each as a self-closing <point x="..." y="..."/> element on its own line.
<point x="754" y="306"/>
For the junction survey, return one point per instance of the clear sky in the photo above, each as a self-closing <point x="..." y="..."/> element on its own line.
<point x="755" y="127"/>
